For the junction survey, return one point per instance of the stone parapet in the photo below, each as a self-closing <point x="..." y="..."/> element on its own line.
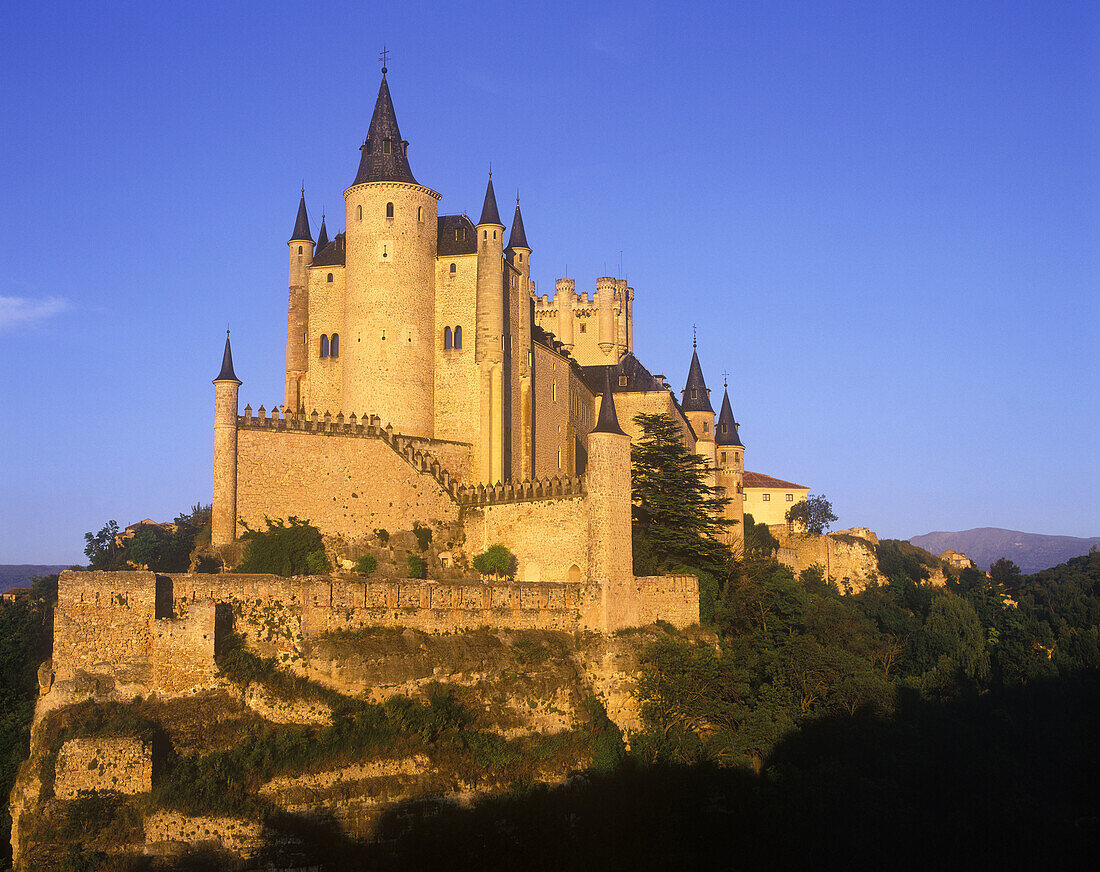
<point x="523" y="491"/>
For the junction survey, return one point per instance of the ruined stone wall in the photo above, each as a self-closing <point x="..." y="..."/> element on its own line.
<point x="103" y="623"/>
<point x="549" y="537"/>
<point x="671" y="598"/>
<point x="183" y="649"/>
<point x="846" y="557"/>
<point x="345" y="485"/>
<point x="124" y="765"/>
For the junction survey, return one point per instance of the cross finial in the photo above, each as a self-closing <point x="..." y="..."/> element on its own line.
<point x="725" y="379"/>
<point x="490" y="170"/>
<point x="517" y="196"/>
<point x="384" y="58"/>
<point x="303" y="187"/>
<point x="693" y="340"/>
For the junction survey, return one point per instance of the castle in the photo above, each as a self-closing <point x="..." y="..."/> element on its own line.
<point x="426" y="382"/>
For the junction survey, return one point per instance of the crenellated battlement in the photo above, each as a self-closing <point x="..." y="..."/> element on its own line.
<point x="524" y="491"/>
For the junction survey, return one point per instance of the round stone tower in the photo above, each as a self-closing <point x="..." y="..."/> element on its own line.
<point x="389" y="306"/>
<point x="730" y="472"/>
<point x="297" y="322"/>
<point x="224" y="512"/>
<point x="699" y="412"/>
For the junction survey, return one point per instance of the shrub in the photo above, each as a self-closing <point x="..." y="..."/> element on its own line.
<point x="497" y="560"/>
<point x="366" y="564"/>
<point x="423" y="535"/>
<point x="418" y="566"/>
<point x="286" y="548"/>
<point x="383" y="537"/>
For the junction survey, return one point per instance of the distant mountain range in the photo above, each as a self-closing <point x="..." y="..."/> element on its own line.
<point x="1030" y="551"/>
<point x="20" y="574"/>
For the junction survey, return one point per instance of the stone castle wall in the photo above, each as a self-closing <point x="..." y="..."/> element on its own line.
<point x="346" y="485"/>
<point x="124" y="765"/>
<point x="847" y="556"/>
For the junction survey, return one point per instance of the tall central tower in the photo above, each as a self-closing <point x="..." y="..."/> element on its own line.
<point x="389" y="306"/>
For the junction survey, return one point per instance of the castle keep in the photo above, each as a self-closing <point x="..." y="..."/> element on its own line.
<point x="427" y="383"/>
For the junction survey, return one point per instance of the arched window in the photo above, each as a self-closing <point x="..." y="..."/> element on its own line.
<point x="520" y="253"/>
<point x="447" y="337"/>
<point x="330" y="277"/>
<point x="359" y="214"/>
<point x="299" y="249"/>
<point x="454" y="269"/>
<point x="706" y="426"/>
<point x="389" y="210"/>
<point x="324" y="345"/>
<point x="334" y="345"/>
<point x="458" y="337"/>
<point x="419" y="213"/>
<point x="573" y="574"/>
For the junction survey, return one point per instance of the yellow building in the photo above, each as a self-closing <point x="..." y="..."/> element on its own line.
<point x="767" y="499"/>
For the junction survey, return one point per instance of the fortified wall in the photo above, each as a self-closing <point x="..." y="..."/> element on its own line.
<point x="162" y="631"/>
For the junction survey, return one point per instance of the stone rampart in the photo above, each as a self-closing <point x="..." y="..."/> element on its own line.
<point x="124" y="765"/>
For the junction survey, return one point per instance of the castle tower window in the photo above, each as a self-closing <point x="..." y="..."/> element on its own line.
<point x="584" y="328"/>
<point x="723" y="456"/>
<point x="724" y="428"/>
<point x="458" y="337"/>
<point x="389" y="210"/>
<point x="622" y="381"/>
<point x="695" y="393"/>
<point x="454" y="269"/>
<point x="299" y="249"/>
<point x="419" y="213"/>
<point x="324" y="345"/>
<point x="334" y="345"/>
<point x="520" y="253"/>
<point x="387" y="147"/>
<point x="706" y="426"/>
<point x="447" y="337"/>
<point x="359" y="215"/>
<point x="790" y="498"/>
<point x="330" y="277"/>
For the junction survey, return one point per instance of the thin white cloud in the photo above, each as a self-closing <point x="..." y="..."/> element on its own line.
<point x="17" y="311"/>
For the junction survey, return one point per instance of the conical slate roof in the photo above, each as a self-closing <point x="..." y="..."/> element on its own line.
<point x="700" y="401"/>
<point x="227" y="373"/>
<point x="322" y="236"/>
<point x="489" y="213"/>
<point x="384" y="158"/>
<point x="608" y="422"/>
<point x="518" y="238"/>
<point x="301" y="223"/>
<point x="727" y="426"/>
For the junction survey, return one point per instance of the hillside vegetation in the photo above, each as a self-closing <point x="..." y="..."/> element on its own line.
<point x="1032" y="552"/>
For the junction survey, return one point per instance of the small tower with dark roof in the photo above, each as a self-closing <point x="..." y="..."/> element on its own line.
<point x="699" y="412"/>
<point x="224" y="512"/>
<point x="388" y="335"/>
<point x="301" y="258"/>
<point x="730" y="471"/>
<point x="607" y="484"/>
<point x="322" y="237"/>
<point x="489" y="350"/>
<point x="518" y="251"/>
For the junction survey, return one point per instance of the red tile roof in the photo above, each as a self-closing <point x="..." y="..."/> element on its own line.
<point x="758" y="479"/>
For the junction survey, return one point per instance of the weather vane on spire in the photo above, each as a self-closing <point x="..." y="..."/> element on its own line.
<point x="384" y="58"/>
<point x="693" y="345"/>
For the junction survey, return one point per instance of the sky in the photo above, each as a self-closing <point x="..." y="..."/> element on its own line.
<point x="882" y="219"/>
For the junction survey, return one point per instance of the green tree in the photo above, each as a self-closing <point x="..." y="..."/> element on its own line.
<point x="1006" y="573"/>
<point x="813" y="514"/>
<point x="100" y="548"/>
<point x="496" y="560"/>
<point x="293" y="547"/>
<point x="677" y="516"/>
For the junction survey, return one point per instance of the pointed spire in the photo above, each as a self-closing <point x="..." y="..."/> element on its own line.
<point x="518" y="238"/>
<point x="384" y="151"/>
<point x="608" y="422"/>
<point x="227" y="373"/>
<point x="696" y="397"/>
<point x="301" y="224"/>
<point x="727" y="426"/>
<point x="322" y="235"/>
<point x="489" y="213"/>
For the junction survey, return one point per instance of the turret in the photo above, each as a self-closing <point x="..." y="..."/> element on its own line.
<point x="489" y="350"/>
<point x="607" y="482"/>
<point x="565" y="299"/>
<point x="518" y="251"/>
<point x="322" y="236"/>
<point x="605" y="302"/>
<point x="698" y="410"/>
<point x="730" y="474"/>
<point x="297" y="322"/>
<point x="224" y="513"/>
<point x="387" y="349"/>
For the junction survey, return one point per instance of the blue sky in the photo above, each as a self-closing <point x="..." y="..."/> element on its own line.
<point x="883" y="217"/>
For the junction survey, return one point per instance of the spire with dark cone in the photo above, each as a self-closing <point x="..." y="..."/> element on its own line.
<point x="696" y="397"/>
<point x="518" y="238"/>
<point x="301" y="223"/>
<point x="385" y="157"/>
<point x="489" y="213"/>
<point x="322" y="236"/>
<point x="727" y="426"/>
<point x="227" y="373"/>
<point x="608" y="422"/>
